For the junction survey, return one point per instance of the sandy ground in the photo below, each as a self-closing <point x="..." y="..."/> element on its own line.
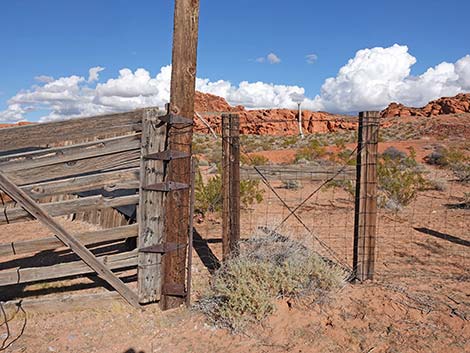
<point x="419" y="303"/>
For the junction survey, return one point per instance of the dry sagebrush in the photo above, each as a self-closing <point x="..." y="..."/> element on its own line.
<point x="269" y="267"/>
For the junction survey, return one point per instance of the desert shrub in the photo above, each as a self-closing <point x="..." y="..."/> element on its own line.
<point x="393" y="153"/>
<point x="208" y="195"/>
<point x="399" y="180"/>
<point x="452" y="158"/>
<point x="462" y="171"/>
<point x="291" y="184"/>
<point x="314" y="150"/>
<point x="340" y="142"/>
<point x="346" y="156"/>
<point x="245" y="288"/>
<point x="250" y="193"/>
<point x="347" y="185"/>
<point x="289" y="141"/>
<point x="445" y="157"/>
<point x="436" y="184"/>
<point x="254" y="159"/>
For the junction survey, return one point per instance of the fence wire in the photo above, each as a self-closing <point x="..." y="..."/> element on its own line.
<point x="313" y="201"/>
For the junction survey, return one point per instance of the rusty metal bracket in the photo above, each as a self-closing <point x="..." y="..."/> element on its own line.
<point x="167" y="186"/>
<point x="162" y="248"/>
<point x="174" y="290"/>
<point x="168" y="155"/>
<point x="175" y="119"/>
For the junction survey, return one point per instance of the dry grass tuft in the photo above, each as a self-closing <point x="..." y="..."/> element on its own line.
<point x="244" y="289"/>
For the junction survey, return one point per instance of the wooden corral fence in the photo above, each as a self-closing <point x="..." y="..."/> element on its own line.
<point x="148" y="157"/>
<point x="105" y="177"/>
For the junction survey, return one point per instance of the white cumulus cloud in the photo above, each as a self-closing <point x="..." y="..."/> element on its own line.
<point x="370" y="80"/>
<point x="375" y="77"/>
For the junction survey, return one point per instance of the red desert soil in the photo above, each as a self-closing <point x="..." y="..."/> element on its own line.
<point x="420" y="302"/>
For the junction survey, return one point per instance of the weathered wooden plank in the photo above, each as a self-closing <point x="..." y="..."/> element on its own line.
<point x="297" y="172"/>
<point x="59" y="231"/>
<point x="109" y="181"/>
<point x="12" y="215"/>
<point x="52" y="243"/>
<point x="34" y="274"/>
<point x="182" y="92"/>
<point x="120" y="160"/>
<point x="151" y="208"/>
<point x="16" y="138"/>
<point x="64" y="303"/>
<point x="57" y="155"/>
<point x="365" y="218"/>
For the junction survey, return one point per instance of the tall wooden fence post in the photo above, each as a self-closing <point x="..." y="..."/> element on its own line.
<point x="234" y="183"/>
<point x="225" y="185"/>
<point x="151" y="207"/>
<point x="230" y="184"/>
<point x="180" y="133"/>
<point x="365" y="220"/>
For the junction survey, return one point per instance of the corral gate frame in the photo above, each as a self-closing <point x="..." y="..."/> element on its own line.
<point x="165" y="166"/>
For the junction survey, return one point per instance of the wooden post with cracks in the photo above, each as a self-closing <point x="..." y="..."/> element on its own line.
<point x="365" y="218"/>
<point x="151" y="207"/>
<point x="183" y="81"/>
<point x="230" y="184"/>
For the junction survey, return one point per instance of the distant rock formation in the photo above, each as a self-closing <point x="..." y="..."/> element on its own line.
<point x="447" y="105"/>
<point x="267" y="121"/>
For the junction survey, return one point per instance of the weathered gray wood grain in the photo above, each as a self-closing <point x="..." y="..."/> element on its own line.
<point x="36" y="135"/>
<point x="151" y="209"/>
<point x="57" y="155"/>
<point x="109" y="181"/>
<point x="12" y="215"/>
<point x="26" y="275"/>
<point x="52" y="243"/>
<point x="120" y="160"/>
<point x="38" y="212"/>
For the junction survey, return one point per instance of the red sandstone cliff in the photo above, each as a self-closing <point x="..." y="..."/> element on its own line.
<point x="446" y="105"/>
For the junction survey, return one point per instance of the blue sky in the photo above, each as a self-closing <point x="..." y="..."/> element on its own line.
<point x="63" y="38"/>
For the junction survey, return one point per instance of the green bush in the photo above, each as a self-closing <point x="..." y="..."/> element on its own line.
<point x="208" y="196"/>
<point x="254" y="159"/>
<point x="314" y="150"/>
<point x="399" y="179"/>
<point x="250" y="193"/>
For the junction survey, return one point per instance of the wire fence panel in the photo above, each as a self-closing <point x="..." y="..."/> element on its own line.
<point x="430" y="237"/>
<point x="308" y="196"/>
<point x="305" y="188"/>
